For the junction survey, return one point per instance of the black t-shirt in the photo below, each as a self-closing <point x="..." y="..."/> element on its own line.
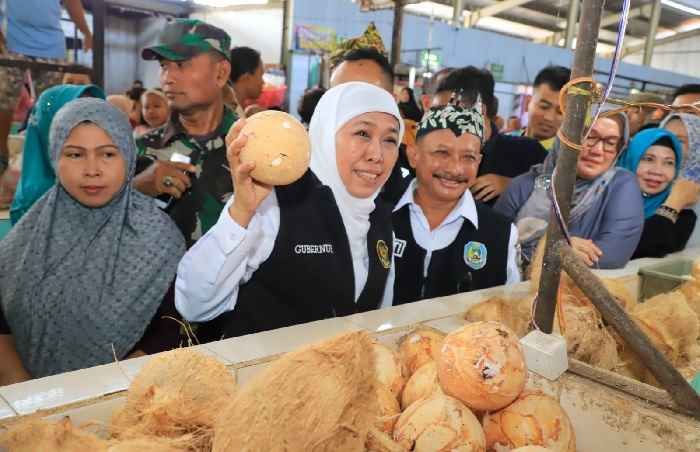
<point x="661" y="236"/>
<point x="510" y="156"/>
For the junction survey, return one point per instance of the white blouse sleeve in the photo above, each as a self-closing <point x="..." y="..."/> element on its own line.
<point x="210" y="273"/>
<point x="513" y="269"/>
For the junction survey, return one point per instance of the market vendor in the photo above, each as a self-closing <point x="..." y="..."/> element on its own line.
<point x="445" y="241"/>
<point x="89" y="266"/>
<point x="317" y="248"/>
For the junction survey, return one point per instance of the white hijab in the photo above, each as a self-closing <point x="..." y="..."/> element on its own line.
<point x="338" y="106"/>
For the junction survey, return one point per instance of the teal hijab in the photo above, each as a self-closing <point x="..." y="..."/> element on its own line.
<point x="636" y="150"/>
<point x="38" y="175"/>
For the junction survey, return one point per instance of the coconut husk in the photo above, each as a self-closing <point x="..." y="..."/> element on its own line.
<point x="691" y="289"/>
<point x="35" y="434"/>
<point x="672" y="327"/>
<point x="379" y="441"/>
<point x="568" y="288"/>
<point x="319" y="398"/>
<point x="389" y="368"/>
<point x="150" y="444"/>
<point x="177" y="394"/>
<point x="587" y="339"/>
<point x="532" y="449"/>
<point x="419" y="347"/>
<point x="534" y="419"/>
<point x="389" y="410"/>
<point x="439" y="423"/>
<point x="423" y="383"/>
<point x="514" y="313"/>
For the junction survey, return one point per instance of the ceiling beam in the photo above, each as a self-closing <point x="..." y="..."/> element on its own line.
<point x="169" y="8"/>
<point x="628" y="50"/>
<point x="492" y="10"/>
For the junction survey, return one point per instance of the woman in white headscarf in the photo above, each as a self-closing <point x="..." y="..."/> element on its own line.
<point x="318" y="248"/>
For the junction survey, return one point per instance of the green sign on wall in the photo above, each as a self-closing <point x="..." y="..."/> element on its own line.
<point x="497" y="71"/>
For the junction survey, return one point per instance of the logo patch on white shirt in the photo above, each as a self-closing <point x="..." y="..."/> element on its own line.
<point x="399" y="247"/>
<point x="324" y="248"/>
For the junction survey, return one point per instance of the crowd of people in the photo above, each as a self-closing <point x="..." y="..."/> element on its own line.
<point x="133" y="213"/>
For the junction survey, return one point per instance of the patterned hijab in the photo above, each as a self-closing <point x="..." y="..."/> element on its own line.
<point x="532" y="219"/>
<point x="691" y="166"/>
<point x="74" y="280"/>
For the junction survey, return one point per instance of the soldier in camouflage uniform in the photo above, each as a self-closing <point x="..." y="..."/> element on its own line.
<point x="194" y="68"/>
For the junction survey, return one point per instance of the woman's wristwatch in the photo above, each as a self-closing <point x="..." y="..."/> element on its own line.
<point x="668" y="212"/>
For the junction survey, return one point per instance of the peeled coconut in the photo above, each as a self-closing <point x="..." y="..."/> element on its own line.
<point x="534" y="419"/>
<point x="319" y="398"/>
<point x="513" y="313"/>
<point x="439" y="424"/>
<point x="33" y="435"/>
<point x="176" y="393"/>
<point x="419" y="347"/>
<point x="279" y="146"/>
<point x="390" y="371"/>
<point x="422" y="384"/>
<point x="482" y="364"/>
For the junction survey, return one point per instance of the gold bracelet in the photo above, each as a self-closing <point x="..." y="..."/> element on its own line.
<point x="668" y="212"/>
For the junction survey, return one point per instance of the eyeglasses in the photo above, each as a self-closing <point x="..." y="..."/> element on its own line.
<point x="610" y="144"/>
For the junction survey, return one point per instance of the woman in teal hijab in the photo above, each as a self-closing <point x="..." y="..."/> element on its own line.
<point x="655" y="157"/>
<point x="37" y="172"/>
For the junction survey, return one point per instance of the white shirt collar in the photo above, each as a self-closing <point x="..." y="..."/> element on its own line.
<point x="465" y="208"/>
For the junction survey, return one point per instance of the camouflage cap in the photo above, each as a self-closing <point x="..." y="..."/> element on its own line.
<point x="184" y="38"/>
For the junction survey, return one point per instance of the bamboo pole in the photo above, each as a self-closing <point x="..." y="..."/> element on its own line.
<point x="576" y="110"/>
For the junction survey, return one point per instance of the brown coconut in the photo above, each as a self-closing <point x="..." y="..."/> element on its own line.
<point x="423" y="383"/>
<point x="279" y="146"/>
<point x="672" y="327"/>
<point x="513" y="313"/>
<point x="419" y="347"/>
<point x="319" y="398"/>
<point x="534" y="419"/>
<point x="33" y="435"/>
<point x="439" y="423"/>
<point x="176" y="393"/>
<point x="390" y="370"/>
<point x="482" y="364"/>
<point x="587" y="339"/>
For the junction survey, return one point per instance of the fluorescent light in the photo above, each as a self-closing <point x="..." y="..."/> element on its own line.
<point x="225" y="3"/>
<point x="681" y="7"/>
<point x="430" y="9"/>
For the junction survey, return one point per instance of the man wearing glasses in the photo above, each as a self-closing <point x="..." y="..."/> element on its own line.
<point x="607" y="213"/>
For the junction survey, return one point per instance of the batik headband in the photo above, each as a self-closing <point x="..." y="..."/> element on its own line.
<point x="458" y="119"/>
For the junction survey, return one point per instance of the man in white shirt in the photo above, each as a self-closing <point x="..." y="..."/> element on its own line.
<point x="445" y="242"/>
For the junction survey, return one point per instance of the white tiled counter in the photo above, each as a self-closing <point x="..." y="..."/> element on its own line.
<point x="605" y="419"/>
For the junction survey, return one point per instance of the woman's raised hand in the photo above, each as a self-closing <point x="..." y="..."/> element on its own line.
<point x="247" y="192"/>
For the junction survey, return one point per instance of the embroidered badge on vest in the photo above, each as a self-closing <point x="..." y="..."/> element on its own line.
<point x="475" y="255"/>
<point x="383" y="253"/>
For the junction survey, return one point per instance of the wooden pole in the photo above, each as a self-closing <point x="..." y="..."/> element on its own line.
<point x="396" y="32"/>
<point x="667" y="375"/>
<point x="576" y="110"/>
<point x="99" y="22"/>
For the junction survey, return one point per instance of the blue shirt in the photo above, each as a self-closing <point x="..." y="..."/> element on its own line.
<point x="33" y="28"/>
<point x="614" y="222"/>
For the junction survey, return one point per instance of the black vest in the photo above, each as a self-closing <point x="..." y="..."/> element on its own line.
<point x="309" y="275"/>
<point x="476" y="259"/>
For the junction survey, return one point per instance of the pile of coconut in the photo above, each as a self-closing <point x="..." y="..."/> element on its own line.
<point x="458" y="392"/>
<point x="670" y="320"/>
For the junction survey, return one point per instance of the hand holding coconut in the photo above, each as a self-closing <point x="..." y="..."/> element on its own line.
<point x="270" y="148"/>
<point x="249" y="193"/>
